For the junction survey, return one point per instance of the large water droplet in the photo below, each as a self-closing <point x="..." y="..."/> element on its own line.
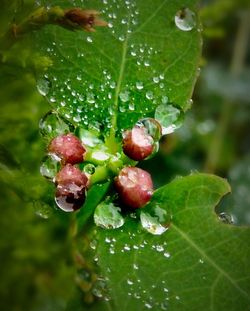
<point x="52" y="124"/>
<point x="88" y="138"/>
<point x="49" y="167"/>
<point x="152" y="127"/>
<point x="185" y="19"/>
<point x="108" y="216"/>
<point x="70" y="197"/>
<point x="155" y="220"/>
<point x="43" y="86"/>
<point x="170" y="117"/>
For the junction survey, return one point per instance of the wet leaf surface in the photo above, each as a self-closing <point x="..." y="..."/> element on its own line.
<point x="199" y="263"/>
<point x="121" y="72"/>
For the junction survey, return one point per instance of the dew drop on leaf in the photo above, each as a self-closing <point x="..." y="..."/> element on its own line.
<point x="124" y="96"/>
<point x="49" y="167"/>
<point x="100" y="289"/>
<point x="42" y="209"/>
<point x="89" y="169"/>
<point x="155" y="220"/>
<point x="108" y="216"/>
<point x="152" y="127"/>
<point x="139" y="85"/>
<point x="88" y="138"/>
<point x="170" y="117"/>
<point x="185" y="19"/>
<point x="52" y="124"/>
<point x="43" y="86"/>
<point x="149" y="95"/>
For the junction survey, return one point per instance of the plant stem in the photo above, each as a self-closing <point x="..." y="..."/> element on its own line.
<point x="237" y="63"/>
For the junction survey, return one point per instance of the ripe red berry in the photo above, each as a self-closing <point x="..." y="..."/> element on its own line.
<point x="68" y="148"/>
<point x="134" y="186"/>
<point x="71" y="174"/>
<point x="137" y="143"/>
<point x="71" y="188"/>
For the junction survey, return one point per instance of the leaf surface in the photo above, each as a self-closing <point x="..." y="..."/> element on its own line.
<point x="200" y="263"/>
<point x="122" y="72"/>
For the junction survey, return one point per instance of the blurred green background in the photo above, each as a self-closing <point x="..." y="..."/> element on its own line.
<point x="36" y="263"/>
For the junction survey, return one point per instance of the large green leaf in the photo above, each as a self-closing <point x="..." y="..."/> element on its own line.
<point x="200" y="263"/>
<point x="122" y="72"/>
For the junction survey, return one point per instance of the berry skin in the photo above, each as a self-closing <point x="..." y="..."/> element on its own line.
<point x="67" y="147"/>
<point x="71" y="188"/>
<point x="137" y="143"/>
<point x="134" y="186"/>
<point x="71" y="174"/>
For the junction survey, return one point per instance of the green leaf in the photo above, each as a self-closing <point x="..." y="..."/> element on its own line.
<point x="200" y="263"/>
<point x="121" y="72"/>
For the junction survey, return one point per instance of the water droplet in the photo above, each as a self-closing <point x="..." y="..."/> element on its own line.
<point x="42" y="209"/>
<point x="226" y="218"/>
<point x="100" y="289"/>
<point x="170" y="117"/>
<point x="139" y="85"/>
<point x="89" y="169"/>
<point x="100" y="156"/>
<point x="89" y="39"/>
<point x="167" y="255"/>
<point x="156" y="79"/>
<point x="43" y="86"/>
<point x="148" y="305"/>
<point x="131" y="106"/>
<point x="108" y="216"/>
<point x="149" y="95"/>
<point x="52" y="124"/>
<point x="88" y="138"/>
<point x="185" y="19"/>
<point x="130" y="282"/>
<point x="124" y="96"/>
<point x="155" y="220"/>
<point x="90" y="98"/>
<point x="70" y="197"/>
<point x="152" y="127"/>
<point x="49" y="167"/>
<point x="159" y="248"/>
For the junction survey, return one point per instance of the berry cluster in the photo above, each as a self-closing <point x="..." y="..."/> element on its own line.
<point x="133" y="185"/>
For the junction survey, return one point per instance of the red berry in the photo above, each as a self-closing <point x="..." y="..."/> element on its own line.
<point x="134" y="186"/>
<point x="67" y="147"/>
<point x="71" y="188"/>
<point x="71" y="174"/>
<point x="137" y="143"/>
